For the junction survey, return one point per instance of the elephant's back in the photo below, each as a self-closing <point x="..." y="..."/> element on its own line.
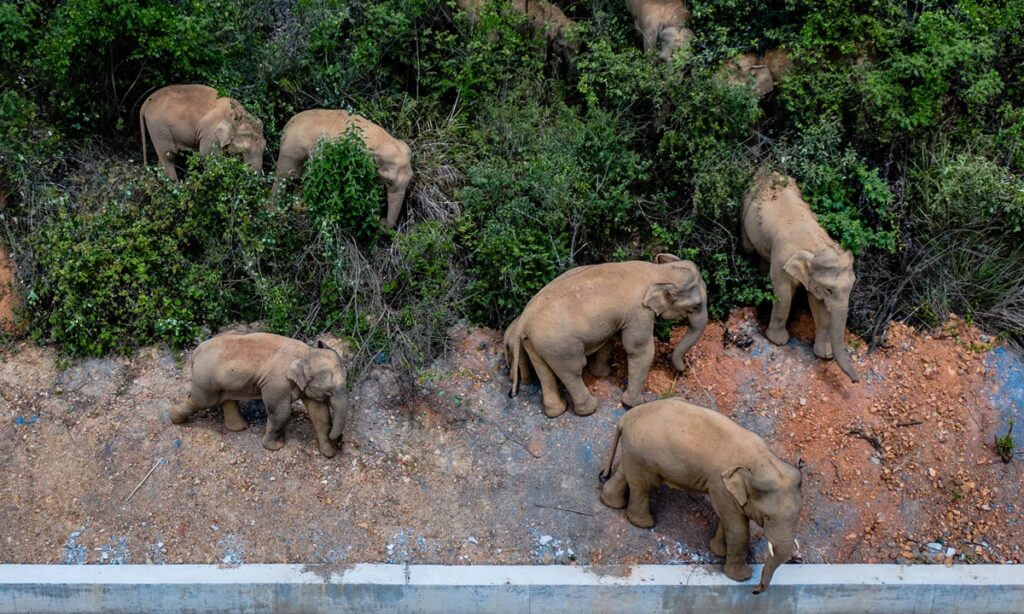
<point x="684" y="427"/>
<point x="251" y="348"/>
<point x="585" y="292"/>
<point x="187" y="95"/>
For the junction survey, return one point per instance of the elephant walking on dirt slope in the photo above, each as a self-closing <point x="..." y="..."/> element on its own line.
<point x="584" y="310"/>
<point x="181" y="117"/>
<point x="392" y="156"/>
<point x="234" y="367"/>
<point x="780" y="226"/>
<point x="671" y="442"/>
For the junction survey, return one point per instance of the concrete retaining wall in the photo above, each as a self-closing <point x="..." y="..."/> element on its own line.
<point x="820" y="589"/>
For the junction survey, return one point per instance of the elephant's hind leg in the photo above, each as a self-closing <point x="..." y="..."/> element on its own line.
<point x="554" y="406"/>
<point x="640" y="484"/>
<point x="613" y="493"/>
<point x="569" y="369"/>
<point x="598" y="362"/>
<point x="233" y="418"/>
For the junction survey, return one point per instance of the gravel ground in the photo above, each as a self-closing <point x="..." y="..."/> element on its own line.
<point x="899" y="468"/>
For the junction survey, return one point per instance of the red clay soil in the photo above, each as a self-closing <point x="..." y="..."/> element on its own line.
<point x="898" y="468"/>
<point x="8" y="297"/>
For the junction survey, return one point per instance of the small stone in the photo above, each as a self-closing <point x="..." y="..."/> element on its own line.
<point x="544" y="539"/>
<point x="875" y="460"/>
<point x="803" y="402"/>
<point x="934" y="546"/>
<point x="472" y="540"/>
<point x="950" y="552"/>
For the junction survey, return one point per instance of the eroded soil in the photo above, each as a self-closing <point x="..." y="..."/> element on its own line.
<point x="900" y="467"/>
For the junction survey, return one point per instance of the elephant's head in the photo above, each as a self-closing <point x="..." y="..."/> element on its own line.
<point x="769" y="494"/>
<point x="748" y="69"/>
<point x="672" y="38"/>
<point x="680" y="295"/>
<point x="828" y="276"/>
<point x="241" y="134"/>
<point x="321" y="376"/>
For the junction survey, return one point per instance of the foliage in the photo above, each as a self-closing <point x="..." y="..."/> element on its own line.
<point x="341" y="189"/>
<point x="1005" y="445"/>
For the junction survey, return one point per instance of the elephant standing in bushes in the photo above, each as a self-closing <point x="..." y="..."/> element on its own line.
<point x="195" y="117"/>
<point x="545" y="18"/>
<point x="584" y="310"/>
<point x="392" y="156"/>
<point x="779" y="225"/>
<point x="233" y="367"/>
<point x="763" y="73"/>
<point x="671" y="442"/>
<point x="662" y="23"/>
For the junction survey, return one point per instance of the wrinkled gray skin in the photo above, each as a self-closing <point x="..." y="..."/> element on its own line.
<point x="662" y="24"/>
<point x="194" y="117"/>
<point x="671" y="442"/>
<point x="779" y="225"/>
<point x="235" y="367"/>
<point x="584" y="310"/>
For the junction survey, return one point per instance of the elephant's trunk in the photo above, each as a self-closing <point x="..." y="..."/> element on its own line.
<point x="781" y="552"/>
<point x="838" y="328"/>
<point x="339" y="412"/>
<point x="255" y="160"/>
<point x="697" y="322"/>
<point x="395" y="199"/>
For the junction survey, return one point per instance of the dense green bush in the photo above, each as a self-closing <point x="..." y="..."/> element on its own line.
<point x="903" y="124"/>
<point x="341" y="189"/>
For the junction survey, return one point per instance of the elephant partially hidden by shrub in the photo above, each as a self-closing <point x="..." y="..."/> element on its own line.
<point x="779" y="225"/>
<point x="584" y="310"/>
<point x="234" y="366"/>
<point x="187" y="116"/>
<point x="662" y="23"/>
<point x="671" y="442"/>
<point x="392" y="156"/>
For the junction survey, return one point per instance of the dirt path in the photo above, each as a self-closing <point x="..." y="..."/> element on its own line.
<point x="899" y="467"/>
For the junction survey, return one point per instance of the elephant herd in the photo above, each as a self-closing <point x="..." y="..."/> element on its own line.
<point x="571" y="324"/>
<point x="195" y="117"/>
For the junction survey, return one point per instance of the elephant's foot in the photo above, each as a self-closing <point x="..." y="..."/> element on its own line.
<point x="180" y="415"/>
<point x="273" y="443"/>
<point x="823" y="349"/>
<point x="587" y="407"/>
<point x="632" y="401"/>
<point x="614" y="500"/>
<point x="644" y="520"/>
<point x="717" y="545"/>
<point x="778" y="336"/>
<point x="328" y="449"/>
<point x="738" y="571"/>
<point x="554" y="410"/>
<point x="599" y="369"/>
<point x="235" y="422"/>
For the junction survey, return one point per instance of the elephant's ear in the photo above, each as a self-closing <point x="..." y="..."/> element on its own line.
<point x="222" y="133"/>
<point x="658" y="297"/>
<point x="737" y="482"/>
<point x="299" y="373"/>
<point x="666" y="258"/>
<point x="799" y="266"/>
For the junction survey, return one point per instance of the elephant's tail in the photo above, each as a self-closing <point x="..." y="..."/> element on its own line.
<point x="142" y="131"/>
<point x="607" y="473"/>
<point x="515" y="348"/>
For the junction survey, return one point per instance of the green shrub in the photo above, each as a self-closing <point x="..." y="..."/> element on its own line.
<point x="341" y="189"/>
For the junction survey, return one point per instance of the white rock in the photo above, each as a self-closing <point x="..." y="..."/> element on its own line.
<point x="950" y="551"/>
<point x="934" y="547"/>
<point x="472" y="540"/>
<point x="544" y="539"/>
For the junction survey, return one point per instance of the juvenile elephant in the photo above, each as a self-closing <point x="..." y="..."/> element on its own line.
<point x="584" y="310"/>
<point x="545" y="18"/>
<point x="662" y="23"/>
<point x="233" y="367"/>
<point x="196" y="117"/>
<point x="763" y="72"/>
<point x="779" y="225"/>
<point x="671" y="442"/>
<point x="392" y="156"/>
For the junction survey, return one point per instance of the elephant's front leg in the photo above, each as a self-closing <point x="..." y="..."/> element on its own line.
<point x="320" y="416"/>
<point x="640" y="350"/>
<point x="279" y="409"/>
<point x="717" y="543"/>
<point x="737" y="543"/>
<point x="782" y="285"/>
<point x="822" y="322"/>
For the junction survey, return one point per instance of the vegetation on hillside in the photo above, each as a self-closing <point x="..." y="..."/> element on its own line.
<point x="903" y="123"/>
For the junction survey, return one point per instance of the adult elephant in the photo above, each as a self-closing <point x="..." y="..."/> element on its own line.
<point x="584" y="310"/>
<point x="392" y="156"/>
<point x="662" y="23"/>
<point x="189" y="116"/>
<point x="779" y="225"/>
